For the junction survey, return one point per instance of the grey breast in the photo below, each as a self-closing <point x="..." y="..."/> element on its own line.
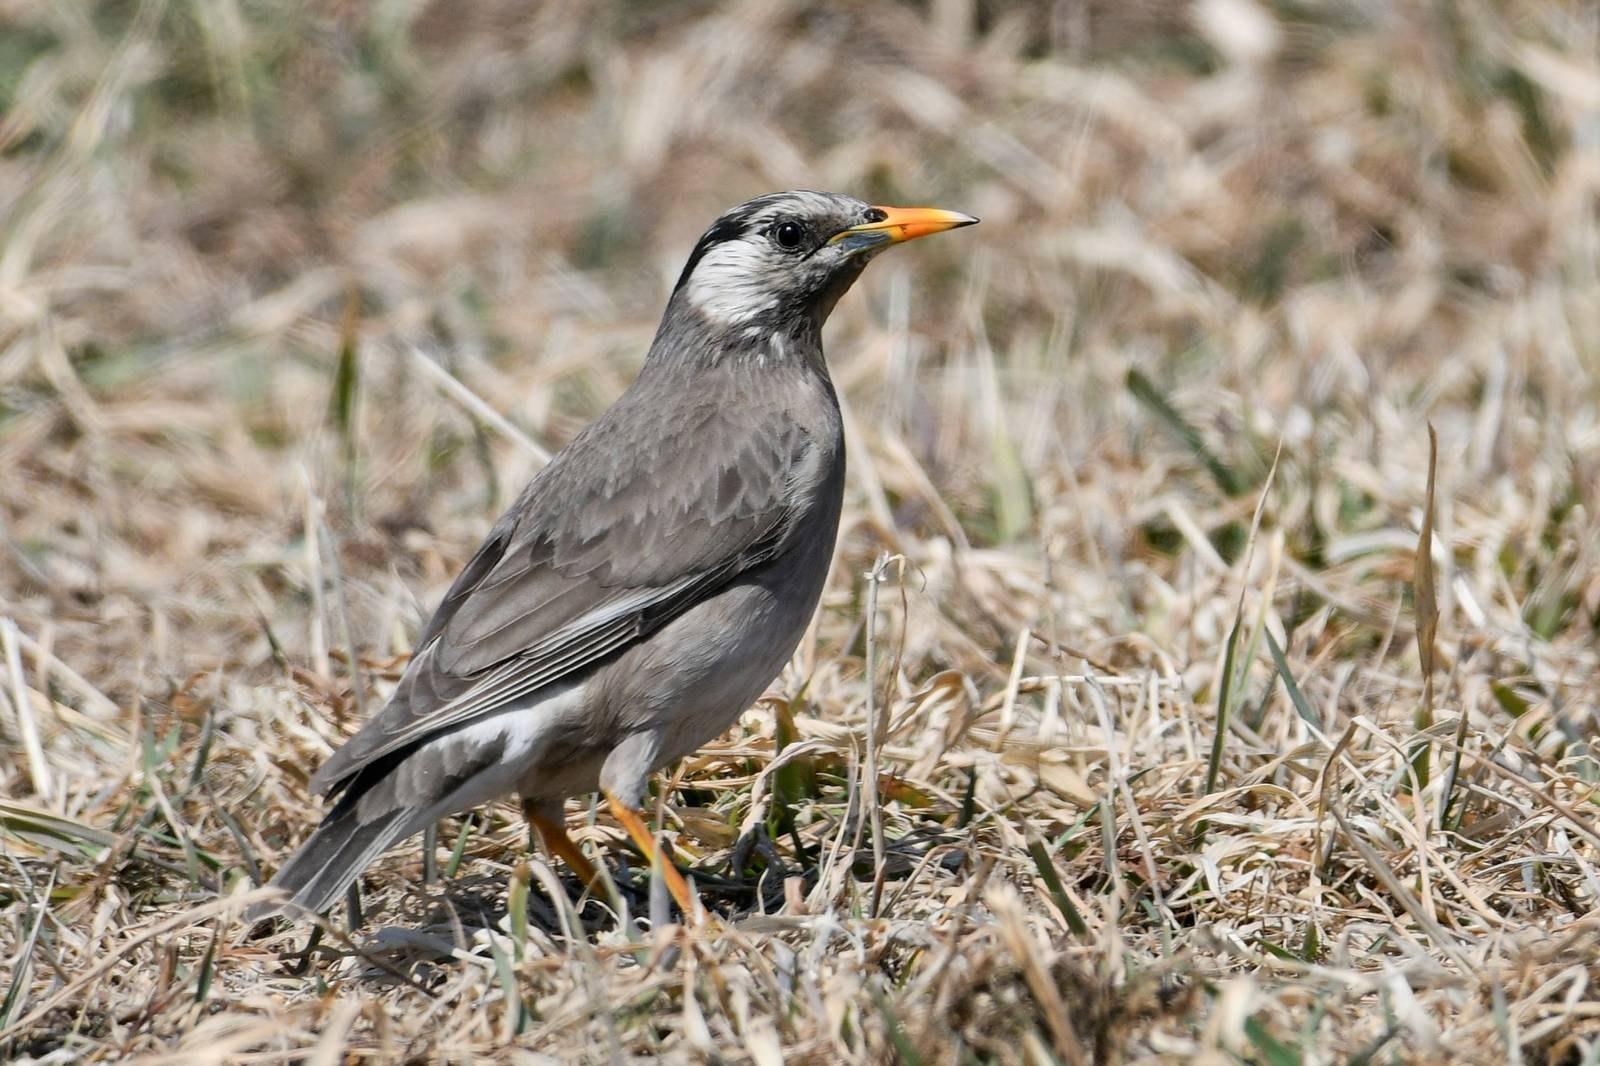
<point x="693" y="678"/>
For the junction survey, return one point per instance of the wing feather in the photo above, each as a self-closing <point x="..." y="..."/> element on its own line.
<point x="622" y="532"/>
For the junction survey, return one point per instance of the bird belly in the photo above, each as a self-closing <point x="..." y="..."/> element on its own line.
<point x="568" y="765"/>
<point x="745" y="638"/>
<point x="691" y="680"/>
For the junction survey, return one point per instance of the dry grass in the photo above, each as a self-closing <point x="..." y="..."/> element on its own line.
<point x="1213" y="234"/>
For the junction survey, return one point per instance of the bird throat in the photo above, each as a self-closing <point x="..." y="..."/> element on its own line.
<point x="778" y="336"/>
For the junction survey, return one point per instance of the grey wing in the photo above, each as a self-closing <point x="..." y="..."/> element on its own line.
<point x="595" y="555"/>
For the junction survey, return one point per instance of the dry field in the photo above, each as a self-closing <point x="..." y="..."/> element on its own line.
<point x="1186" y="752"/>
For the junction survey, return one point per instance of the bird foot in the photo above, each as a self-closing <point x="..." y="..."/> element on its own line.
<point x="748" y="846"/>
<point x="646" y="843"/>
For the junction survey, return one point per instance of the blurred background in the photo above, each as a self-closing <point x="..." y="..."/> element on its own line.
<point x="255" y="256"/>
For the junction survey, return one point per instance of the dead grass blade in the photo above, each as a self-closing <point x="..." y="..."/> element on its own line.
<point x="1379" y="868"/>
<point x="1427" y="612"/>
<point x="22" y="709"/>
<point x="476" y="405"/>
<point x="235" y="904"/>
<point x="876" y="720"/>
<point x="22" y="968"/>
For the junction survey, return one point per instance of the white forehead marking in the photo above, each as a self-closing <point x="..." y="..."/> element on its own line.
<point x="732" y="283"/>
<point x="804" y="202"/>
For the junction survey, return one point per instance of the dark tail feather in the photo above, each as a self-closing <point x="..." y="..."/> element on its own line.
<point x="317" y="875"/>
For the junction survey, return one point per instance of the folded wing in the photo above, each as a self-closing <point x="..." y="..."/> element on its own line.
<point x="631" y="525"/>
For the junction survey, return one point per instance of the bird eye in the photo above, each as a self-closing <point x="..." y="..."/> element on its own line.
<point x="876" y="214"/>
<point x="788" y="234"/>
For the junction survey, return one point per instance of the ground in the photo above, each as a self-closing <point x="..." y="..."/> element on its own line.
<point x="1209" y="732"/>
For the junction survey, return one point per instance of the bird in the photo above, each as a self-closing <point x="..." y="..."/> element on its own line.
<point x="649" y="582"/>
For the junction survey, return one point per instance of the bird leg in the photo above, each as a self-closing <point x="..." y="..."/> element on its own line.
<point x="553" y="831"/>
<point x="634" y="824"/>
<point x="530" y="811"/>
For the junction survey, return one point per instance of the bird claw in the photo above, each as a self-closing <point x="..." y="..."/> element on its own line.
<point x="754" y="842"/>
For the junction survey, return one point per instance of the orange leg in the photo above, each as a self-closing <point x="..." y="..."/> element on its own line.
<point x="554" y="834"/>
<point x="647" y="844"/>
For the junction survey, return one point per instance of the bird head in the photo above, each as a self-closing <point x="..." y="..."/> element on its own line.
<point x="777" y="264"/>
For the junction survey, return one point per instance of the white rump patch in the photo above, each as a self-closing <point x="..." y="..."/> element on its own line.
<point x="523" y="726"/>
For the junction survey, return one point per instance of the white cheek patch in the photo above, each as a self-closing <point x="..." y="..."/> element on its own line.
<point x="733" y="282"/>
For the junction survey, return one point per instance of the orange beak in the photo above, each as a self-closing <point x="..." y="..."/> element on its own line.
<point x="900" y="224"/>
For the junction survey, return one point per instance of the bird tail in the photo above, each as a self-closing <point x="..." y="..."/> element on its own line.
<point x="341" y="847"/>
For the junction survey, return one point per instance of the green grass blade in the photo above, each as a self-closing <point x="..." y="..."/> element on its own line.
<point x="1302" y="706"/>
<point x="202" y="984"/>
<point x="1052" y="882"/>
<point x="1272" y="1051"/>
<point x="54" y="831"/>
<point x="1227" y="479"/>
<point x="1225" y="701"/>
<point x="905" y="1051"/>
<point x="517" y="906"/>
<point x="460" y="848"/>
